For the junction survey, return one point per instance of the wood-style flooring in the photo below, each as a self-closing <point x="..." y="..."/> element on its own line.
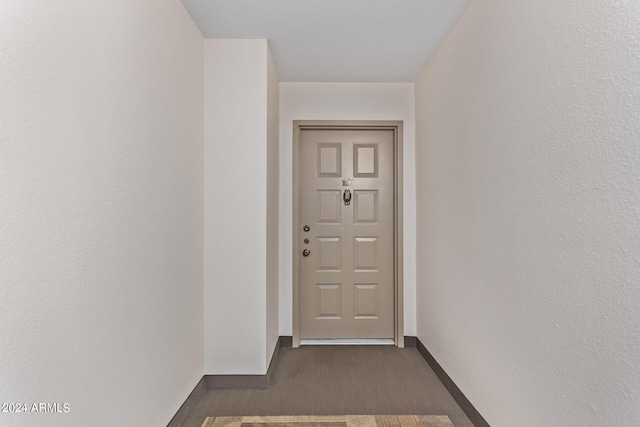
<point x="338" y="380"/>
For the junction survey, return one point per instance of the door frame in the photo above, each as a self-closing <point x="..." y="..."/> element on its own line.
<point x="396" y="127"/>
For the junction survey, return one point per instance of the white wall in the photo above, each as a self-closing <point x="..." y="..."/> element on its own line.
<point x="238" y="271"/>
<point x="100" y="210"/>
<point x="529" y="211"/>
<point x="273" y="200"/>
<point x="345" y="101"/>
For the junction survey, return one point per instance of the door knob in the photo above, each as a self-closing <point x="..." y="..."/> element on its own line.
<point x="306" y="252"/>
<point x="306" y="228"/>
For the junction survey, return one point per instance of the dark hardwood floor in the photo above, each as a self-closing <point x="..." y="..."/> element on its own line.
<point x="338" y="380"/>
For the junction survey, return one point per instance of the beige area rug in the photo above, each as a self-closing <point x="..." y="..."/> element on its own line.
<point x="332" y="421"/>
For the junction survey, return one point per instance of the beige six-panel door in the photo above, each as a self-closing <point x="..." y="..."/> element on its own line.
<point x="347" y="236"/>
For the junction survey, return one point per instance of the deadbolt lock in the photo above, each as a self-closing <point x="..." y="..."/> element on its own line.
<point x="306" y="228"/>
<point x="306" y="252"/>
<point x="306" y="241"/>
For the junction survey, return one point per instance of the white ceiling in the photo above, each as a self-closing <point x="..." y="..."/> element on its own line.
<point x="336" y="40"/>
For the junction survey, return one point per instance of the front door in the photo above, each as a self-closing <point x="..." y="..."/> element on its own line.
<point x="347" y="234"/>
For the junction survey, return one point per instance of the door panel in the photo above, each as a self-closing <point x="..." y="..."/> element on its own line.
<point x="365" y="158"/>
<point x="329" y="254"/>
<point x="347" y="278"/>
<point x="365" y="209"/>
<point x="365" y="258"/>
<point x="329" y="160"/>
<point x="329" y="206"/>
<point x="329" y="301"/>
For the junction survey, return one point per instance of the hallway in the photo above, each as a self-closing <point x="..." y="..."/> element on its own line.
<point x="147" y="222"/>
<point x="339" y="380"/>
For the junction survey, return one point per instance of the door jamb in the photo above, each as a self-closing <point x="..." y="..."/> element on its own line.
<point x="396" y="127"/>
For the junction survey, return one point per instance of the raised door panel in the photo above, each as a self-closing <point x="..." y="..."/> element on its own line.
<point x="329" y="254"/>
<point x="329" y="207"/>
<point x="366" y="301"/>
<point x="365" y="160"/>
<point x="365" y="206"/>
<point x="365" y="254"/>
<point x="329" y="301"/>
<point x="329" y="160"/>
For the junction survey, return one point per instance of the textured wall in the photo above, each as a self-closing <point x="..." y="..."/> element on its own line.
<point x="100" y="210"/>
<point x="273" y="202"/>
<point x="239" y="178"/>
<point x="345" y="101"/>
<point x="528" y="188"/>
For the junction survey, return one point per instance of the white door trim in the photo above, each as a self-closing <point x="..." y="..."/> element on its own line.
<point x="396" y="127"/>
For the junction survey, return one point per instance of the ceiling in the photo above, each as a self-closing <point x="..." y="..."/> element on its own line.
<point x="336" y="40"/>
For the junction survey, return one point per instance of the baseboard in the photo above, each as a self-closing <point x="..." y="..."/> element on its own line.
<point x="248" y="381"/>
<point x="181" y="416"/>
<point x="457" y="394"/>
<point x="209" y="382"/>
<point x="286" y="341"/>
<point x="410" y="342"/>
